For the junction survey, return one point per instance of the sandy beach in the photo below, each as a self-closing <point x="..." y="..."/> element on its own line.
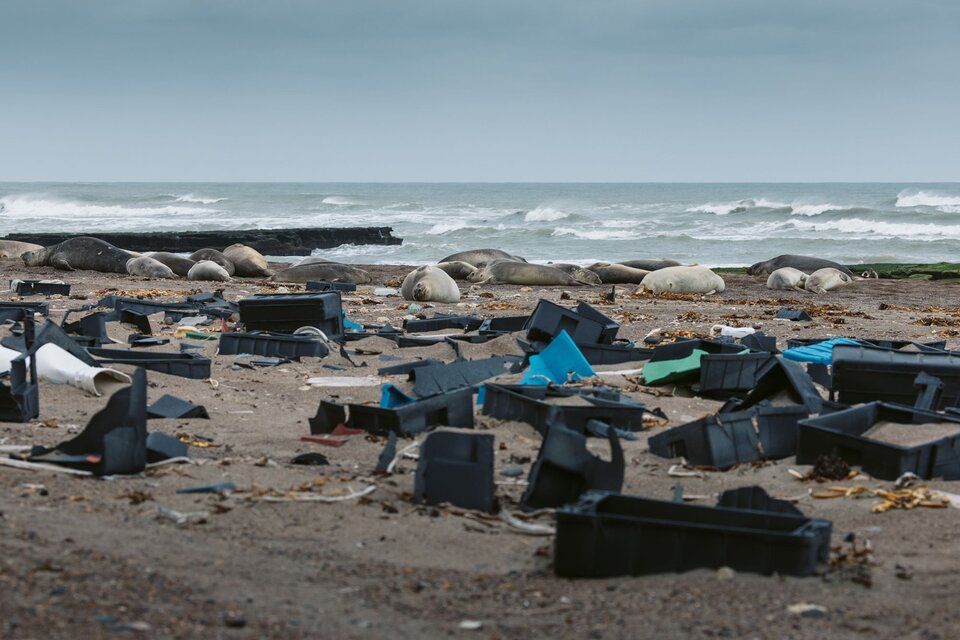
<point x="82" y="557"/>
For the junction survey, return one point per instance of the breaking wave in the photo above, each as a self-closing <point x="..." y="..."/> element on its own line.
<point x="749" y="204"/>
<point x="189" y="197"/>
<point x="876" y="228"/>
<point x="947" y="204"/>
<point x="339" y="200"/>
<point x="33" y="207"/>
<point x="545" y="214"/>
<point x="594" y="234"/>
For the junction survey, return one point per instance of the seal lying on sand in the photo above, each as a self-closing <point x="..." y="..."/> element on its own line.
<point x="807" y="264"/>
<point x="329" y="271"/>
<point x="429" y="284"/>
<point x="582" y="274"/>
<point x="481" y="257"/>
<point x="149" y="268"/>
<point x="683" y="280"/>
<point x="458" y="270"/>
<point x="14" y="249"/>
<point x="618" y="273"/>
<point x="214" y="256"/>
<point x="178" y="264"/>
<point x="208" y="270"/>
<point x="787" y="279"/>
<point x="313" y="260"/>
<point x="823" y="280"/>
<point x="80" y="253"/>
<point x="650" y="264"/>
<point x="512" y="272"/>
<point x="247" y="261"/>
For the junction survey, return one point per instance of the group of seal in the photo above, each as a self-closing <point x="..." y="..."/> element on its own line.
<point x="789" y="272"/>
<point x="84" y="252"/>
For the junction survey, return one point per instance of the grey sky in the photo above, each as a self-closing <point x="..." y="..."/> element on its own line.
<point x="501" y="90"/>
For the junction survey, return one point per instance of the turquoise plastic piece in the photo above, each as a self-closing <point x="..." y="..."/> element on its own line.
<point x="559" y="360"/>
<point x="820" y="353"/>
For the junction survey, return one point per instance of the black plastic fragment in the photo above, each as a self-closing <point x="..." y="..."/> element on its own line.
<point x="786" y="375"/>
<point x="20" y="401"/>
<point x="503" y="324"/>
<point x="323" y="285"/>
<point x="114" y="441"/>
<point x="564" y="469"/>
<point x="406" y="367"/>
<point x="140" y="340"/>
<point x="388" y="454"/>
<point x="441" y="378"/>
<point x="683" y="348"/>
<point x="441" y="321"/>
<point x="794" y="315"/>
<point x="606" y="535"/>
<point x="758" y="341"/>
<point x="184" y="365"/>
<point x="272" y="345"/>
<point x="755" y="499"/>
<point x="169" y="406"/>
<point x="38" y="287"/>
<point x="161" y="447"/>
<point x="312" y="458"/>
<point x="15" y="310"/>
<point x="456" y="468"/>
<point x="226" y="486"/>
<point x="453" y="409"/>
<point x="930" y="389"/>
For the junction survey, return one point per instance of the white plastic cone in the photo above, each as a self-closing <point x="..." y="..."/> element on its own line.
<point x="59" y="367"/>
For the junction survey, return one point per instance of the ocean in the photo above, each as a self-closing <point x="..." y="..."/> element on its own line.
<point x="712" y="224"/>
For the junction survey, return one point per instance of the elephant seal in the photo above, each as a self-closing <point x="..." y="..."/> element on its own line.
<point x="807" y="264"/>
<point x="247" y="261"/>
<point x="683" y="280"/>
<point x="14" y="249"/>
<point x="618" y="273"/>
<point x="178" y="264"/>
<point x="823" y="280"/>
<point x="458" y="270"/>
<point x="81" y="252"/>
<point x="481" y="257"/>
<point x="582" y="274"/>
<point x="313" y="260"/>
<point x="208" y="270"/>
<point x="651" y="264"/>
<point x="330" y="271"/>
<point x="513" y="272"/>
<point x="429" y="284"/>
<point x="787" y="279"/>
<point x="149" y="268"/>
<point x="214" y="256"/>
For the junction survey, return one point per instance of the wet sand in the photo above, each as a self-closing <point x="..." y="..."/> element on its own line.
<point x="83" y="557"/>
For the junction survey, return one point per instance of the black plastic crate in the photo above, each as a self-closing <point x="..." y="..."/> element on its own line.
<point x="527" y="403"/>
<point x="38" y="287"/>
<point x="456" y="468"/>
<point x="20" y="401"/>
<point x="683" y="348"/>
<point x="763" y="432"/>
<point x="16" y="310"/>
<point x="439" y="322"/>
<point x="503" y="324"/>
<point x="606" y="535"/>
<point x="584" y="324"/>
<point x="840" y="433"/>
<point x="613" y="353"/>
<point x="272" y="345"/>
<point x="451" y="409"/>
<point x="184" y="365"/>
<point x="724" y="375"/>
<point x="864" y="374"/>
<point x="287" y="313"/>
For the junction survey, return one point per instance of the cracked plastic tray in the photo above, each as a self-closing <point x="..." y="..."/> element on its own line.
<point x="606" y="535"/>
<point x="184" y="365"/>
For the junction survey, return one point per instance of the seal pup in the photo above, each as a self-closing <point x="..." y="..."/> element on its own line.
<point x="178" y="264"/>
<point x="481" y="257"/>
<point x="618" y="273"/>
<point x="14" y="249"/>
<point x="247" y="261"/>
<point x="329" y="271"/>
<point x="652" y="264"/>
<point x="458" y="270"/>
<point x="149" y="268"/>
<point x="513" y="272"/>
<point x="82" y="252"/>
<point x="429" y="284"/>
<point x="208" y="270"/>
<point x="823" y="280"/>
<point x="583" y="274"/>
<point x="214" y="256"/>
<point x="807" y="264"/>
<point x="683" y="280"/>
<point x="787" y="279"/>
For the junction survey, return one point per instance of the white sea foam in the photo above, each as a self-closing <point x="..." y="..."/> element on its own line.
<point x="813" y="209"/>
<point x="339" y="200"/>
<point x="878" y="229"/>
<point x="446" y="227"/>
<point x="545" y="214"/>
<point x="928" y="199"/>
<point x="594" y="234"/>
<point x="189" y="197"/>
<point x="738" y="206"/>
<point x="42" y="207"/>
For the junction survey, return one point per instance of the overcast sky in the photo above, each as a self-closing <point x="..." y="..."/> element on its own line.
<point x="498" y="90"/>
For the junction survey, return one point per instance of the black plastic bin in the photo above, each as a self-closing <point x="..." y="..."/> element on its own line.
<point x="456" y="468"/>
<point x="606" y="535"/>
<point x="287" y="313"/>
<point x="272" y="345"/>
<point x="864" y="374"/>
<point x="725" y="375"/>
<point x="584" y="324"/>
<point x="840" y="433"/>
